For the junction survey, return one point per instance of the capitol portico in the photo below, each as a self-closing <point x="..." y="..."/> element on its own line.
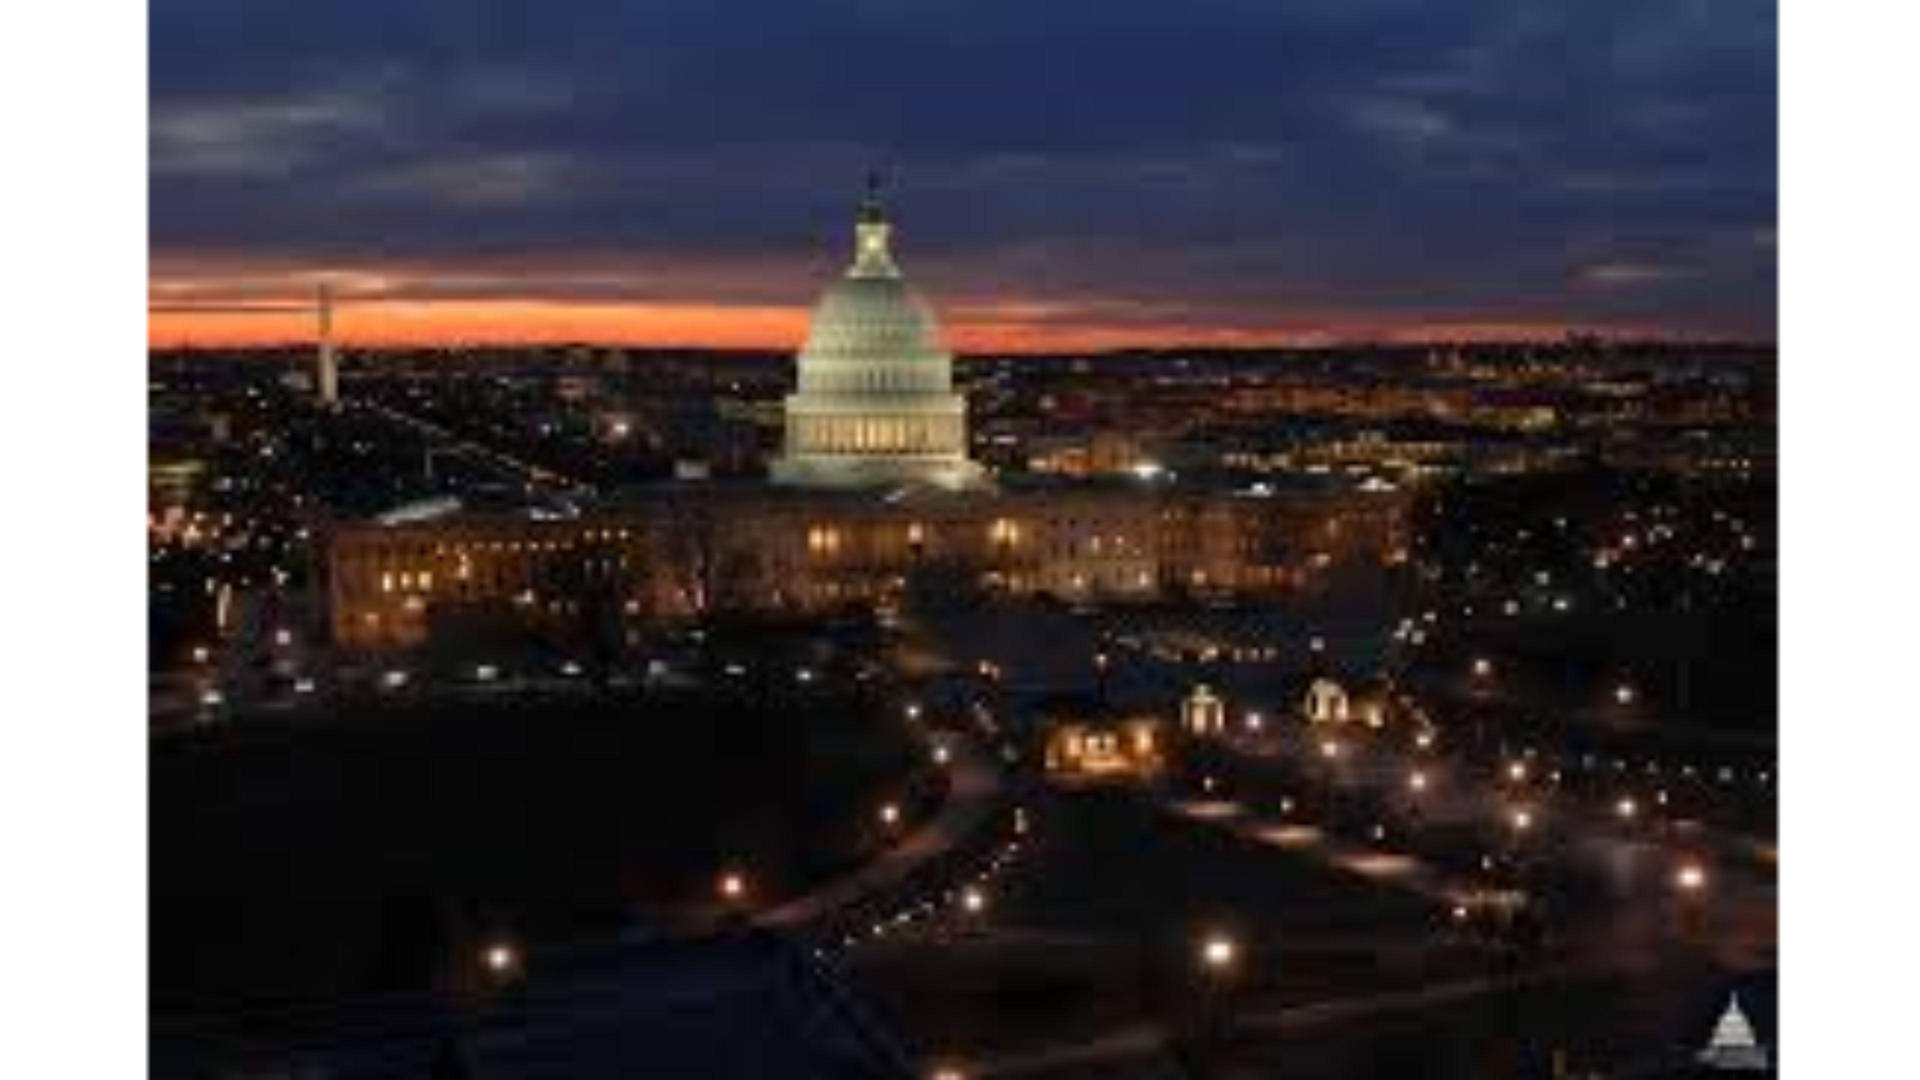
<point x="874" y="403"/>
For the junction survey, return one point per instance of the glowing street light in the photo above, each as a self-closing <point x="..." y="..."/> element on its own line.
<point x="1254" y="721"/>
<point x="1522" y="820"/>
<point x="947" y="1072"/>
<point x="889" y="814"/>
<point x="1482" y="667"/>
<point x="1330" y="749"/>
<point x="1623" y="694"/>
<point x="941" y="754"/>
<point x="1417" y="781"/>
<point x="200" y="654"/>
<point x="973" y="900"/>
<point x="1517" y="771"/>
<point x="1626" y="808"/>
<point x="500" y="958"/>
<point x="733" y="886"/>
<point x="1217" y="953"/>
<point x="1690" y="878"/>
<point x="1423" y="740"/>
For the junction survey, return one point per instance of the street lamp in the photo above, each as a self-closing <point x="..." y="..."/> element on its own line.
<point x="941" y="754"/>
<point x="1623" y="694"/>
<point x="1625" y="808"/>
<point x="1517" y="771"/>
<point x="1690" y="878"/>
<point x="1217" y="953"/>
<point x="500" y="959"/>
<point x="889" y="814"/>
<point x="1483" y="667"/>
<point x="1417" y="780"/>
<point x="1330" y="749"/>
<point x="733" y="886"/>
<point x="1522" y="820"/>
<point x="973" y="900"/>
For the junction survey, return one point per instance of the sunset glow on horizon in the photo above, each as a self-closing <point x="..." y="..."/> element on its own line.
<point x="1011" y="328"/>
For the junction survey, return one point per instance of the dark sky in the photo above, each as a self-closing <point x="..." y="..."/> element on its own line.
<point x="1119" y="170"/>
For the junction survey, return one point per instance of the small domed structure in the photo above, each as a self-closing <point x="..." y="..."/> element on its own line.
<point x="874" y="404"/>
<point x="1326" y="702"/>
<point x="1203" y="713"/>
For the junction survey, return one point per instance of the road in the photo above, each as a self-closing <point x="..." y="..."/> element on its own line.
<point x="1336" y="933"/>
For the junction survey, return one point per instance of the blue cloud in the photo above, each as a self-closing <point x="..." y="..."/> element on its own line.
<point x="1475" y="156"/>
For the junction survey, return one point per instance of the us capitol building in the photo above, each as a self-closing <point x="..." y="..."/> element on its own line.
<point x="873" y="497"/>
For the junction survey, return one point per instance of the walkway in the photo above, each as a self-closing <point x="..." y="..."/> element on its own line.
<point x="973" y="786"/>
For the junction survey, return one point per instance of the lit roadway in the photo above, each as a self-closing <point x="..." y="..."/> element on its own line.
<point x="533" y="474"/>
<point x="1339" y="935"/>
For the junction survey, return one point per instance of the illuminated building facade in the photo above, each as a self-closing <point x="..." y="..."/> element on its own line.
<point x="703" y="548"/>
<point x="874" y="500"/>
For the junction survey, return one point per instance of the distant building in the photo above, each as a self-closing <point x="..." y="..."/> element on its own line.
<point x="874" y="499"/>
<point x="1326" y="702"/>
<point x="1203" y="713"/>
<point x="1085" y="741"/>
<point x="685" y="550"/>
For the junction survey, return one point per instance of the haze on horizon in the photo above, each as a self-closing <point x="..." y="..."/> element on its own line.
<point x="1215" y="171"/>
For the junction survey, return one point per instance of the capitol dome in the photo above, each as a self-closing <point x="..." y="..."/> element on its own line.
<point x="878" y="316"/>
<point x="873" y="402"/>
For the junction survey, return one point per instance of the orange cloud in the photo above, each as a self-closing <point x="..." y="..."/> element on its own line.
<point x="451" y="322"/>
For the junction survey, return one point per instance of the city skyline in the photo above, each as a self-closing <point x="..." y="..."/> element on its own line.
<point x="1247" y="177"/>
